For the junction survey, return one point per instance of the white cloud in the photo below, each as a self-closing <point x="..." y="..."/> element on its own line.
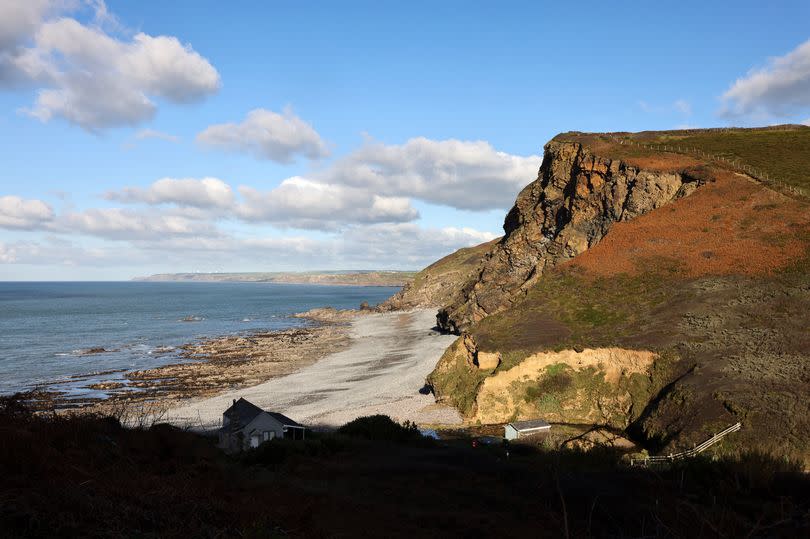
<point x="8" y="254"/>
<point x="224" y="247"/>
<point x="374" y="184"/>
<point x="19" y="19"/>
<point x="303" y="203"/>
<point x="408" y="242"/>
<point x="296" y="203"/>
<point x="199" y="193"/>
<point x="143" y="134"/>
<point x="384" y="245"/>
<point x="781" y="88"/>
<point x="111" y="223"/>
<point x="469" y="175"/>
<point x="157" y="241"/>
<point x="267" y="135"/>
<point x="119" y="224"/>
<point x="25" y="214"/>
<point x="90" y="77"/>
<point x="58" y="252"/>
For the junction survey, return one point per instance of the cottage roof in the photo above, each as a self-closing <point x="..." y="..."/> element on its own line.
<point x="242" y="412"/>
<point x="531" y="424"/>
<point x="284" y="420"/>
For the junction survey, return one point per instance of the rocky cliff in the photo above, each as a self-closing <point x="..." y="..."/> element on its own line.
<point x="616" y="300"/>
<point x="570" y="207"/>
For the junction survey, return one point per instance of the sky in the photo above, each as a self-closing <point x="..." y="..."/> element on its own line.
<point x="194" y="135"/>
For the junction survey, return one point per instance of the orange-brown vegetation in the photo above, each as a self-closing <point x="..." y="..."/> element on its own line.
<point x="641" y="157"/>
<point x="731" y="226"/>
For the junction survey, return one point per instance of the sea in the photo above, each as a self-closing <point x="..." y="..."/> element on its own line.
<point x="50" y="332"/>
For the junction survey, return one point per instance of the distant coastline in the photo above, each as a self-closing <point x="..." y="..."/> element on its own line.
<point x="332" y="278"/>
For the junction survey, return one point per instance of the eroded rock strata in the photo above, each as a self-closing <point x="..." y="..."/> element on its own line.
<point x="572" y="204"/>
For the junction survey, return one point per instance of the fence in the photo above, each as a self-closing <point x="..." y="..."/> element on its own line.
<point x="672" y="457"/>
<point x="735" y="164"/>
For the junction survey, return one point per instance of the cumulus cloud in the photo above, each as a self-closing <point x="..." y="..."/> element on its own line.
<point x="267" y="135"/>
<point x="20" y="19"/>
<point x="110" y="223"/>
<point x="408" y="242"/>
<point x="383" y="245"/>
<point x="781" y="88"/>
<point x="120" y="224"/>
<point x="468" y="175"/>
<point x="296" y="203"/>
<point x="24" y="214"/>
<point x="303" y="203"/>
<point x="160" y="241"/>
<point x="54" y="251"/>
<point x="92" y="78"/>
<point x="199" y="193"/>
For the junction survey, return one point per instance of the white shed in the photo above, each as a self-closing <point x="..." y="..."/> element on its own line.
<point x="520" y="429"/>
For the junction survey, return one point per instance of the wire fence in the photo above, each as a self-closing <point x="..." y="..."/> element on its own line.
<point x="696" y="450"/>
<point x="732" y="163"/>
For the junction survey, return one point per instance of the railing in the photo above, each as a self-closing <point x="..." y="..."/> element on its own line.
<point x="735" y="164"/>
<point x="672" y="457"/>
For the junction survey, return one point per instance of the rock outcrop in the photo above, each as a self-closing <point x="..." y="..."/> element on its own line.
<point x="570" y="207"/>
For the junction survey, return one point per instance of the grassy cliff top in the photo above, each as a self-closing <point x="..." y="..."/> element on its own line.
<point x="779" y="153"/>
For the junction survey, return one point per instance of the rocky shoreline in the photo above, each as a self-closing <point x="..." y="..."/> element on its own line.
<point x="212" y="366"/>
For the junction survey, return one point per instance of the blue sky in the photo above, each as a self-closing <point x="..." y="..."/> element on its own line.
<point x="384" y="135"/>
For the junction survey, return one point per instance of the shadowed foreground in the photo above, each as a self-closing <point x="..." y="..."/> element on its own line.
<point x="87" y="476"/>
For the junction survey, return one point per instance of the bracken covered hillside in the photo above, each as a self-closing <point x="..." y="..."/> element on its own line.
<point x="663" y="293"/>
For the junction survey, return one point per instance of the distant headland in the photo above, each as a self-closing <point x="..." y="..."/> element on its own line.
<point x="344" y="278"/>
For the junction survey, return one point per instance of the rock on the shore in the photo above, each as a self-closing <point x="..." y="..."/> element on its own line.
<point x="330" y="314"/>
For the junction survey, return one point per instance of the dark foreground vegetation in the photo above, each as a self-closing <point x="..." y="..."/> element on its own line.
<point x="89" y="477"/>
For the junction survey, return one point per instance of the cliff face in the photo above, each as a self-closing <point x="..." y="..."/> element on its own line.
<point x="570" y="207"/>
<point x="615" y="299"/>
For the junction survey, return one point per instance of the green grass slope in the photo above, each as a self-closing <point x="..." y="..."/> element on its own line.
<point x="439" y="283"/>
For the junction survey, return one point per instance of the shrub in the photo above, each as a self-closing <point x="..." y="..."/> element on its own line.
<point x="380" y="427"/>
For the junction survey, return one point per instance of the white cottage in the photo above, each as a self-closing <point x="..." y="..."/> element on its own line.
<point x="245" y="425"/>
<point x="520" y="429"/>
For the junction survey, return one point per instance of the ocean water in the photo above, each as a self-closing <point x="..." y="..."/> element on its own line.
<point x="46" y="329"/>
